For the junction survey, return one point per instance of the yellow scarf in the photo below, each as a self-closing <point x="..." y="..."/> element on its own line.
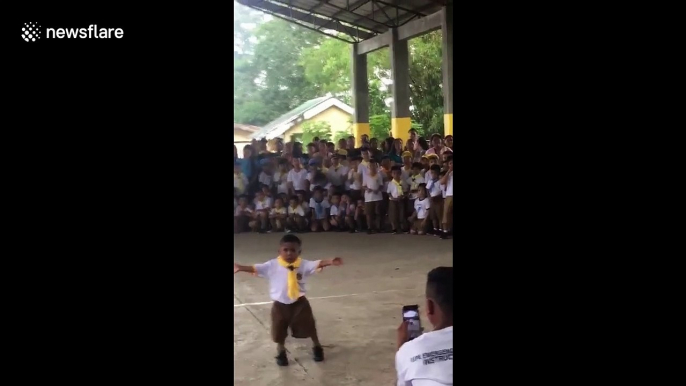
<point x="399" y="187"/>
<point x="237" y="178"/>
<point x="293" y="288"/>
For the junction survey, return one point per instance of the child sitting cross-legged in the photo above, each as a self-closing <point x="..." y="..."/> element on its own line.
<point x="278" y="216"/>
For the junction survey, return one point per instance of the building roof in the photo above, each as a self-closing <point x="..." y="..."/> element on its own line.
<point x="305" y="111"/>
<point x="358" y="19"/>
<point x="249" y="128"/>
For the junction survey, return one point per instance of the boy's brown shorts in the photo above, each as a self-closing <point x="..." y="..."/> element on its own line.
<point x="298" y="316"/>
<point x="447" y="210"/>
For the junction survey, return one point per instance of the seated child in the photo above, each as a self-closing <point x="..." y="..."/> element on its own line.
<point x="296" y="216"/>
<point x="335" y="215"/>
<point x="320" y="208"/>
<point x="242" y="215"/>
<point x="278" y="216"/>
<point x="263" y="206"/>
<point x="291" y="310"/>
<point x="360" y="216"/>
<point x="240" y="181"/>
<point x="420" y="213"/>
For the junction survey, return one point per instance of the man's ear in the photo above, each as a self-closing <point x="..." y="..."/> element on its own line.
<point x="430" y="307"/>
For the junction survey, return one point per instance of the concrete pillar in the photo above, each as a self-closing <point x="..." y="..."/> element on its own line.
<point x="400" y="73"/>
<point x="447" y="31"/>
<point x="360" y="91"/>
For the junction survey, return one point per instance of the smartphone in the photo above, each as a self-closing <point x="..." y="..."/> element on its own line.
<point x="411" y="316"/>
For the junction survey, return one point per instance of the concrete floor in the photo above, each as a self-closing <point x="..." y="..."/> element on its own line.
<point x="357" y="307"/>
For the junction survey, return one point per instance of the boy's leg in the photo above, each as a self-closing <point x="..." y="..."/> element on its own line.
<point x="315" y="225"/>
<point x="393" y="215"/>
<point x="325" y="225"/>
<point x="303" y="326"/>
<point x="280" y="315"/>
<point x="300" y="223"/>
<point x="369" y="211"/>
<point x="380" y="214"/>
<point x="253" y="225"/>
<point x="279" y="225"/>
<point x="263" y="220"/>
<point x="447" y="213"/>
<point x="351" y="223"/>
<point x="272" y="222"/>
<point x="401" y="216"/>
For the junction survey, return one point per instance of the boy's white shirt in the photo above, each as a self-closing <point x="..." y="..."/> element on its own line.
<point x="298" y="210"/>
<point x="334" y="210"/>
<point x="449" y="186"/>
<point x="262" y="205"/>
<point x="422" y="208"/>
<point x="281" y="182"/>
<point x="281" y="210"/>
<point x="338" y="176"/>
<point x="266" y="179"/>
<point x="433" y="360"/>
<point x="434" y="188"/>
<point x="245" y="182"/>
<point x="418" y="179"/>
<point x="297" y="178"/>
<point x="392" y="189"/>
<point x="373" y="183"/>
<point x="278" y="278"/>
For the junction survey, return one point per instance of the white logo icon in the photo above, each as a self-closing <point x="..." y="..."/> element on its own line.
<point x="30" y="32"/>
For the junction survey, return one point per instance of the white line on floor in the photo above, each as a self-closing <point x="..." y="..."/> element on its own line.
<point x="326" y="297"/>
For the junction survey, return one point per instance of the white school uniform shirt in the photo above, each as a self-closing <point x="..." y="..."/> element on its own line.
<point x="324" y="205"/>
<point x="276" y="211"/>
<point x="297" y="210"/>
<point x="363" y="167"/>
<point x="334" y="210"/>
<point x="392" y="189"/>
<point x="434" y="188"/>
<point x="355" y="184"/>
<point x="422" y="207"/>
<point x="373" y="183"/>
<point x="278" y="278"/>
<point x="426" y="360"/>
<point x="443" y="190"/>
<point x="262" y="205"/>
<point x="239" y="211"/>
<point x="297" y="179"/>
<point x="413" y="182"/>
<point x="281" y="182"/>
<point x="265" y="179"/>
<point x="337" y="176"/>
<point x="449" y="186"/>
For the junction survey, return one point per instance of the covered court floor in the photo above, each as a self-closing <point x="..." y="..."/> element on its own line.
<point x="369" y="25"/>
<point x="357" y="307"/>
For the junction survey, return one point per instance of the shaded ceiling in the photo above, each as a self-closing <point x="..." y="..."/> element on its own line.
<point x="348" y="20"/>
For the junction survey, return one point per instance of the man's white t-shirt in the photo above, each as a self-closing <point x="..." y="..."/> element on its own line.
<point x="278" y="278"/>
<point x="427" y="360"/>
<point x="434" y="188"/>
<point x="265" y="179"/>
<point x="337" y="176"/>
<point x="264" y="204"/>
<point x="297" y="178"/>
<point x="422" y="207"/>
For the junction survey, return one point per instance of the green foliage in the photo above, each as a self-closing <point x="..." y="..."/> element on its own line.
<point x="342" y="134"/>
<point x="278" y="66"/>
<point x="380" y="126"/>
<point x="315" y="129"/>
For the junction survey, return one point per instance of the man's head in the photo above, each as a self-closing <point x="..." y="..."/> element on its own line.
<point x="366" y="154"/>
<point x="342" y="143"/>
<point x="311" y="149"/>
<point x="351" y="142"/>
<point x="439" y="297"/>
<point x="449" y="141"/>
<point x="436" y="140"/>
<point x="435" y="171"/>
<point x="374" y="143"/>
<point x="296" y="162"/>
<point x="413" y="135"/>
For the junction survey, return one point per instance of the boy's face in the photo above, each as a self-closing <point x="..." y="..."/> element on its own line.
<point x="422" y="193"/>
<point x="310" y="150"/>
<point x="247" y="153"/>
<point x="296" y="162"/>
<point x="407" y="160"/>
<point x="289" y="251"/>
<point x="415" y="171"/>
<point x="300" y="197"/>
<point x="434" y="174"/>
<point x="242" y="201"/>
<point x="335" y="199"/>
<point x="386" y="163"/>
<point x="278" y="203"/>
<point x="372" y="166"/>
<point x="425" y="162"/>
<point x="282" y="167"/>
<point x="293" y="203"/>
<point x="351" y="143"/>
<point x="365" y="155"/>
<point x="265" y="190"/>
<point x="335" y="161"/>
<point x="259" y="195"/>
<point x="317" y="195"/>
<point x="396" y="175"/>
<point x="344" y="199"/>
<point x="432" y="162"/>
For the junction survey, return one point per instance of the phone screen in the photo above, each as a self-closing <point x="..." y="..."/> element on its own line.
<point x="414" y="325"/>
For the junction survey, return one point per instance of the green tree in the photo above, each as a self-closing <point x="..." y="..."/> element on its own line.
<point x="426" y="78"/>
<point x="315" y="129"/>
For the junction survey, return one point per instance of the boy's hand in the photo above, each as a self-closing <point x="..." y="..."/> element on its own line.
<point x="336" y="261"/>
<point x="235" y="268"/>
<point x="403" y="334"/>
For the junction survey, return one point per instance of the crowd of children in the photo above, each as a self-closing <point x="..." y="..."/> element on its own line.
<point x="402" y="188"/>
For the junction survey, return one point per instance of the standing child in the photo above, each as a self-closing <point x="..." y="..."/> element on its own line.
<point x="436" y="197"/>
<point x="240" y="181"/>
<point x="396" y="203"/>
<point x="286" y="275"/>
<point x="281" y="177"/>
<point x="263" y="206"/>
<point x="372" y="183"/>
<point x="278" y="216"/>
<point x="355" y="179"/>
<point x="350" y="214"/>
<point x="447" y="183"/>
<point x="420" y="213"/>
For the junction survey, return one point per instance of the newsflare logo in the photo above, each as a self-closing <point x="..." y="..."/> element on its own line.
<point x="31" y="32"/>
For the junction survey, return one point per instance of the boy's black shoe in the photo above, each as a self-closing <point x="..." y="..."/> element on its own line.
<point x="369" y="231"/>
<point x="395" y="232"/>
<point x="282" y="359"/>
<point x="445" y="236"/>
<point x="318" y="354"/>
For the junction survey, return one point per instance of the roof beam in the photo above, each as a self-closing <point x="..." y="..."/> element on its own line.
<point x="407" y="31"/>
<point x="285" y="10"/>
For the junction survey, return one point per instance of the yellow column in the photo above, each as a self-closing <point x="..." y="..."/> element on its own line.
<point x="448" y="124"/>
<point x="360" y="129"/>
<point x="400" y="128"/>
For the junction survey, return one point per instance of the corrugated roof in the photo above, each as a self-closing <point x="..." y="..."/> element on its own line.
<point x="289" y="116"/>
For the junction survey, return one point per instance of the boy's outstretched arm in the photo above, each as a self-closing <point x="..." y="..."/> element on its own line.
<point x="243" y="268"/>
<point x="327" y="262"/>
